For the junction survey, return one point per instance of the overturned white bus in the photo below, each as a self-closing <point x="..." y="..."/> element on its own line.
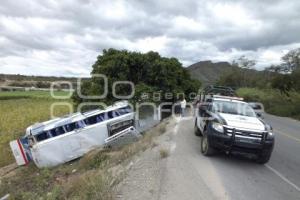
<point x="63" y="139"/>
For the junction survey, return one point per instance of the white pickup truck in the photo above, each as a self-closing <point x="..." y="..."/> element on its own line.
<point x="229" y="124"/>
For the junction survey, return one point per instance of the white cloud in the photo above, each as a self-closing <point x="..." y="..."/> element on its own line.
<point x="233" y="14"/>
<point x="150" y="44"/>
<point x="64" y="37"/>
<point x="184" y="24"/>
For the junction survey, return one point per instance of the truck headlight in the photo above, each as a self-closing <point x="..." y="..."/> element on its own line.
<point x="270" y="134"/>
<point x="218" y="127"/>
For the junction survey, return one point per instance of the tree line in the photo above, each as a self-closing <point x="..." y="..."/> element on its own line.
<point x="285" y="76"/>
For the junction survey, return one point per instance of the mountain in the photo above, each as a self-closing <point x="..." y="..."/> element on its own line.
<point x="208" y="72"/>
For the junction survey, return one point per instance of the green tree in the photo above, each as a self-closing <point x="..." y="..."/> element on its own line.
<point x="245" y="64"/>
<point x="295" y="77"/>
<point x="148" y="71"/>
<point x="283" y="83"/>
<point x="232" y="78"/>
<point x="291" y="61"/>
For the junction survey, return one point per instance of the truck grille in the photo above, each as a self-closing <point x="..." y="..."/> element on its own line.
<point x="243" y="134"/>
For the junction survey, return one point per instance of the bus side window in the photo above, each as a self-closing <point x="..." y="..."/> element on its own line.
<point x="106" y="116"/>
<point x="120" y="111"/>
<point x="54" y="132"/>
<point x="49" y="134"/>
<point x="87" y="121"/>
<point x="100" y="117"/>
<point x="94" y="119"/>
<point x="70" y="127"/>
<point x="79" y="124"/>
<point x="128" y="109"/>
<point x="110" y="115"/>
<point x="67" y="127"/>
<point x="59" y="130"/>
<point x="90" y="121"/>
<point x="41" y="136"/>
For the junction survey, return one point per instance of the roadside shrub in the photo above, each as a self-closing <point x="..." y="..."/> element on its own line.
<point x="164" y="153"/>
<point x="162" y="129"/>
<point x="90" y="186"/>
<point x="94" y="159"/>
<point x="274" y="101"/>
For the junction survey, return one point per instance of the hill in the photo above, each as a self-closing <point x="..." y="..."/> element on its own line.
<point x="223" y="73"/>
<point x="208" y="72"/>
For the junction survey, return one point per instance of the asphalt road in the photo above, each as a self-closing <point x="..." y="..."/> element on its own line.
<point x="190" y="175"/>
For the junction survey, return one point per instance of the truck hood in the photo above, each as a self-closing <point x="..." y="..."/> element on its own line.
<point x="238" y="121"/>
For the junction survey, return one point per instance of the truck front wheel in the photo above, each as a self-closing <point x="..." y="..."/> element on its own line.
<point x="263" y="159"/>
<point x="196" y="129"/>
<point x="206" y="148"/>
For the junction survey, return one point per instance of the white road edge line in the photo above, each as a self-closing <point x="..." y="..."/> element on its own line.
<point x="287" y="135"/>
<point x="282" y="177"/>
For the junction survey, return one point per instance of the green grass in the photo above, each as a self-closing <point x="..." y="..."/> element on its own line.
<point x="31" y="94"/>
<point x="273" y="101"/>
<point x="20" y="110"/>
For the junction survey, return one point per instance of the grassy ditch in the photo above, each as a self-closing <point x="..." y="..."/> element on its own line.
<point x="91" y="177"/>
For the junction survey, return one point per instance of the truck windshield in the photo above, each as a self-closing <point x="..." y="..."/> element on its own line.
<point x="231" y="107"/>
<point x="255" y="106"/>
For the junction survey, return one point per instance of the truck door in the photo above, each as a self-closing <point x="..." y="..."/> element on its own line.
<point x="202" y="116"/>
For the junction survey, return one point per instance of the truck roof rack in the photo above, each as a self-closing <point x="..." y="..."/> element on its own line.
<point x="219" y="90"/>
<point x="227" y="97"/>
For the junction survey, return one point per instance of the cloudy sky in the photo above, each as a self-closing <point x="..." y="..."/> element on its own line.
<point x="64" y="37"/>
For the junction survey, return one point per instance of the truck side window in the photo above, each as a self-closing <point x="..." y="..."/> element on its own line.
<point x="202" y="109"/>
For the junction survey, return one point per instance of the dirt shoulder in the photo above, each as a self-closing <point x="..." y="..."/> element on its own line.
<point x="145" y="177"/>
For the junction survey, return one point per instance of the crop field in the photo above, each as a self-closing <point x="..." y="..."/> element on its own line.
<point x="30" y="94"/>
<point x="18" y="110"/>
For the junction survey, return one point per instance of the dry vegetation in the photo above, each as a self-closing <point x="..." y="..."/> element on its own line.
<point x="164" y="153"/>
